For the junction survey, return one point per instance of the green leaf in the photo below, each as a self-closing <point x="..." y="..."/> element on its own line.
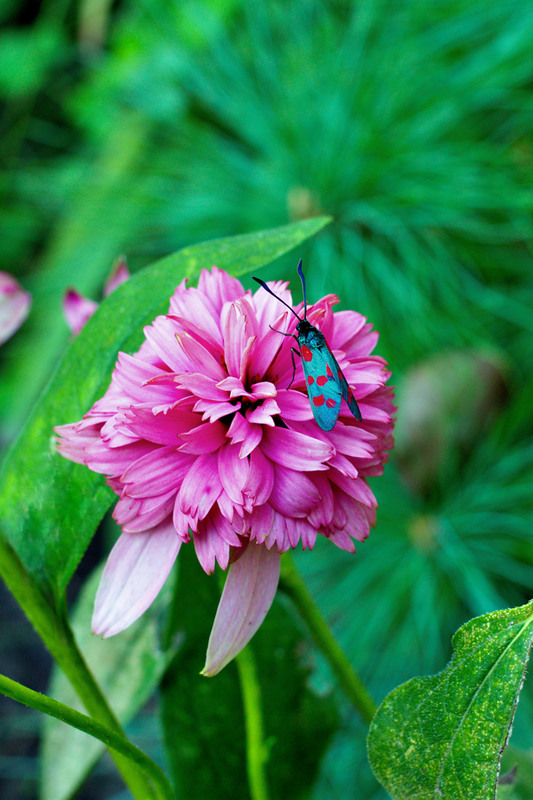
<point x="443" y="736"/>
<point x="50" y="507"/>
<point x="203" y="717"/>
<point x="126" y="667"/>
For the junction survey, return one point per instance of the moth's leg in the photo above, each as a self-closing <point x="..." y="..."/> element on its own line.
<point x="293" y="351"/>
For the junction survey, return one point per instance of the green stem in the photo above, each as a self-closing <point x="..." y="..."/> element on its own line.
<point x="47" y="705"/>
<point x="58" y="639"/>
<point x="256" y="751"/>
<point x="292" y="584"/>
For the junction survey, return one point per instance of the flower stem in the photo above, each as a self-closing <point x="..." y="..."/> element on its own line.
<point x="114" y="740"/>
<point x="256" y="751"/>
<point x="350" y="682"/>
<point x="58" y="639"/>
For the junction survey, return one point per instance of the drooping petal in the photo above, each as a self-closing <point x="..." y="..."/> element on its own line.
<point x="247" y="596"/>
<point x="136" y="569"/>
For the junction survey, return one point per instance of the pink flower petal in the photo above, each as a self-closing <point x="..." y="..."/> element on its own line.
<point x="14" y="306"/>
<point x="148" y="513"/>
<point x="238" y="338"/>
<point x="166" y="429"/>
<point x="74" y="438"/>
<point x="139" y="381"/>
<point x="260" y="479"/>
<point x="296" y="450"/>
<point x="358" y="489"/>
<point x="212" y="410"/>
<point x="157" y="472"/>
<point x="241" y="430"/>
<point x="294" y="405"/>
<point x="201" y="386"/>
<point x="262" y="415"/>
<point x="267" y="308"/>
<point x="247" y="596"/>
<point x="260" y="523"/>
<point x="234" y="386"/>
<point x="219" y="287"/>
<point x="198" y="307"/>
<point x="233" y="472"/>
<point x="346" y="441"/>
<point x="204" y="438"/>
<point x="200" y="358"/>
<point x="77" y="310"/>
<point x="119" y="274"/>
<point x="211" y="542"/>
<point x="136" y="569"/>
<point x="161" y="336"/>
<point x="200" y="486"/>
<point x="266" y="347"/>
<point x="294" y="493"/>
<point x="113" y="462"/>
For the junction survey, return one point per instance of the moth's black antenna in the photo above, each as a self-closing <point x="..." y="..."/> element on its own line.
<point x="263" y="284"/>
<point x="300" y="273"/>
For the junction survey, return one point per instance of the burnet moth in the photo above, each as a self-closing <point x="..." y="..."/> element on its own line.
<point x="326" y="384"/>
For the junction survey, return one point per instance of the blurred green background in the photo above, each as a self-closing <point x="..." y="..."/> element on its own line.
<point x="141" y="126"/>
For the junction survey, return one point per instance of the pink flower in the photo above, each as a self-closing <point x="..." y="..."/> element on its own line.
<point x="14" y="306"/>
<point x="78" y="309"/>
<point x="200" y="438"/>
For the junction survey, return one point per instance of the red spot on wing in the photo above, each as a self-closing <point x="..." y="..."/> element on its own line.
<point x="329" y="373"/>
<point x="321" y="380"/>
<point x="339" y="373"/>
<point x="310" y="380"/>
<point x="319" y="400"/>
<point x="331" y="403"/>
<point x="306" y="353"/>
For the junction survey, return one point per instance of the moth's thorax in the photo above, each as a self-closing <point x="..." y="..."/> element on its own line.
<point x="309" y="335"/>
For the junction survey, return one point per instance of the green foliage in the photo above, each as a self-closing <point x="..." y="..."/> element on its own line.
<point x="444" y="736"/>
<point x="128" y="668"/>
<point x="203" y="718"/>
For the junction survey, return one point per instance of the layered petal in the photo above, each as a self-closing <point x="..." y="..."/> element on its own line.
<point x="201" y="438"/>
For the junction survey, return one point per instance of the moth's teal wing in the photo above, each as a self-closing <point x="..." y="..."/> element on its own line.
<point x="324" y="391"/>
<point x="345" y="389"/>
